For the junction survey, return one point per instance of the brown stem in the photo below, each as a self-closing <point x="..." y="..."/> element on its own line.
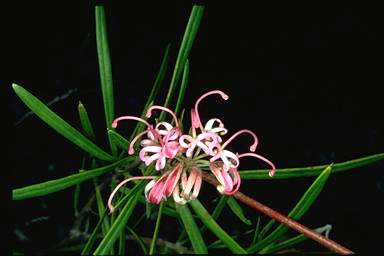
<point x="283" y="219"/>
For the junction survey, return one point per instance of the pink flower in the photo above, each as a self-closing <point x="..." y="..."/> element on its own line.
<point x="155" y="190"/>
<point x="197" y="117"/>
<point x="271" y="172"/>
<point x="168" y="149"/>
<point x="205" y="141"/>
<point x="182" y="178"/>
<point x="194" y="181"/>
<point x="229" y="179"/>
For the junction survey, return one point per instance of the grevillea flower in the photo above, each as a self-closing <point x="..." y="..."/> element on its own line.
<point x="180" y="158"/>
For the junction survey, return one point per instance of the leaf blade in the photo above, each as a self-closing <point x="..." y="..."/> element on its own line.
<point x="118" y="225"/>
<point x="185" y="47"/>
<point x="211" y="224"/>
<point x="86" y="122"/>
<point x="52" y="186"/>
<point x="237" y="210"/>
<point x="58" y="124"/>
<point x="287" y="173"/>
<point x="183" y="87"/>
<point x="298" y="211"/>
<point x="157" y="227"/>
<point x="105" y="68"/>
<point x="155" y="90"/>
<point x="193" y="231"/>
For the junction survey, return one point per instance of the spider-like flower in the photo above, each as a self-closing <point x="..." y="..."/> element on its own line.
<point x="187" y="155"/>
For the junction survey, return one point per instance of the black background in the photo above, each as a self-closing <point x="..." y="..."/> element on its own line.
<point x="304" y="78"/>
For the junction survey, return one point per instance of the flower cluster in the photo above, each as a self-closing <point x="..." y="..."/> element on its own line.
<point x="180" y="157"/>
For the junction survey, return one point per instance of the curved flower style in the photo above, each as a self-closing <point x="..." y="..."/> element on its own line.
<point x="180" y="157"/>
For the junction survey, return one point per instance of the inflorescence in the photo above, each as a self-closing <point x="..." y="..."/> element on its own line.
<point x="179" y="157"/>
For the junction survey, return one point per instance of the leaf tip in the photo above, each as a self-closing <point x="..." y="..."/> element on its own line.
<point x="15" y="86"/>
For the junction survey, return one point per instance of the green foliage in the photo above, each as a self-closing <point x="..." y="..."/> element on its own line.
<point x="309" y="171"/>
<point x="52" y="186"/>
<point x="105" y="68"/>
<point x="212" y="225"/>
<point x="61" y="126"/>
<point x="298" y="211"/>
<point x="193" y="231"/>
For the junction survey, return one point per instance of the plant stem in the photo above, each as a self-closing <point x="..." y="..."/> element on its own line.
<point x="283" y="219"/>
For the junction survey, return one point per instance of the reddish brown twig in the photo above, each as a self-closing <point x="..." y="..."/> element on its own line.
<point x="284" y="219"/>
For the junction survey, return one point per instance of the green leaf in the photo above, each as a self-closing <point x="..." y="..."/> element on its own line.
<point x="101" y="208"/>
<point x="257" y="230"/>
<point x="211" y="224"/>
<point x="237" y="210"/>
<point x="183" y="87"/>
<point x="287" y="173"/>
<point x="122" y="242"/>
<point x="185" y="47"/>
<point x="91" y="240"/>
<point x="294" y="240"/>
<point x="298" y="211"/>
<point x="57" y="123"/>
<point x="219" y="207"/>
<point x="155" y="90"/>
<point x="118" y="225"/>
<point x="52" y="186"/>
<point x="157" y="227"/>
<point x="139" y="240"/>
<point x="105" y="68"/>
<point x="265" y="230"/>
<point x="118" y="139"/>
<point x="86" y="122"/>
<point x="192" y="229"/>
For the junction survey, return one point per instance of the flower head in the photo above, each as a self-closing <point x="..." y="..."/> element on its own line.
<point x="181" y="157"/>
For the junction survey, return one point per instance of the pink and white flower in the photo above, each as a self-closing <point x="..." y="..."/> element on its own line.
<point x="182" y="178"/>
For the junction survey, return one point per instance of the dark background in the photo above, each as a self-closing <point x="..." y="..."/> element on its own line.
<point x="305" y="78"/>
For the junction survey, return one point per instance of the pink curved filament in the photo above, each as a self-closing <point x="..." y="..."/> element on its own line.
<point x="114" y="123"/>
<point x="110" y="206"/>
<point x="253" y="146"/>
<point x="271" y="172"/>
<point x="153" y="131"/>
<point x="222" y="94"/>
<point x="149" y="112"/>
<point x="131" y="149"/>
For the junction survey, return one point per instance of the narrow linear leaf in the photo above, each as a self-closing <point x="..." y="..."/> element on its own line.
<point x="287" y="173"/>
<point x="122" y="242"/>
<point x="86" y="122"/>
<point x="192" y="229"/>
<point x="211" y="224"/>
<point x="237" y="210"/>
<point x="183" y="87"/>
<point x="101" y="208"/>
<point x="118" y="139"/>
<point x="139" y="240"/>
<point x="216" y="245"/>
<point x="257" y="230"/>
<point x="219" y="207"/>
<point x="294" y="240"/>
<point x="61" y="126"/>
<point x="298" y="211"/>
<point x="52" y="186"/>
<point x="185" y="47"/>
<point x="157" y="228"/>
<point x="265" y="229"/>
<point x="91" y="240"/>
<point x="217" y="211"/>
<point x="155" y="90"/>
<point x="105" y="68"/>
<point x="118" y="225"/>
